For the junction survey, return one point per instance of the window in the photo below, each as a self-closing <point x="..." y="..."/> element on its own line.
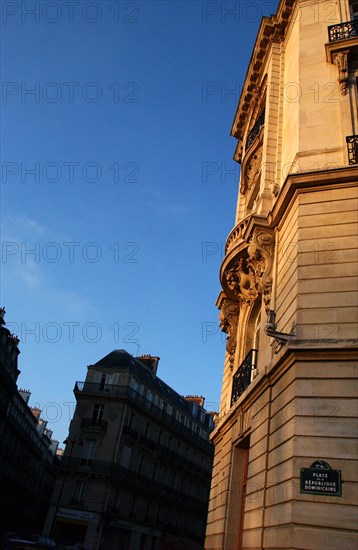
<point x="126" y="456"/>
<point x="97" y="414"/>
<point x="147" y="424"/>
<point x="117" y="499"/>
<point x="88" y="451"/>
<point x="134" y="384"/>
<point x="131" y="419"/>
<point x="165" y="475"/>
<point x="149" y="508"/>
<point x="140" y="465"/>
<point x="253" y="327"/>
<point x="108" y="382"/>
<point x="354" y="11"/>
<point x="79" y="491"/>
<point x="133" y="512"/>
<point x="155" y="471"/>
<point x="211" y="422"/>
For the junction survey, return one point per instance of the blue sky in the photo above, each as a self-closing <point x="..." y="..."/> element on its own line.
<point x="118" y="187"/>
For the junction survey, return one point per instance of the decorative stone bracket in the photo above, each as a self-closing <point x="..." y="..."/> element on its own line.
<point x="340" y="59"/>
<point x="248" y="275"/>
<point x="251" y="275"/>
<point x="229" y="316"/>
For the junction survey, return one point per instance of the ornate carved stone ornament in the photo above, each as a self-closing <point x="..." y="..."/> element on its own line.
<point x="251" y="172"/>
<point x="229" y="316"/>
<point x="241" y="281"/>
<point x="252" y="275"/>
<point x="254" y="168"/>
<point x="341" y="62"/>
<point x="260" y="251"/>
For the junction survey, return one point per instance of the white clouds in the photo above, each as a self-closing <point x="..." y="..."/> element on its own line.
<point x="26" y="262"/>
<point x="29" y="272"/>
<point x="72" y="302"/>
<point x="27" y="224"/>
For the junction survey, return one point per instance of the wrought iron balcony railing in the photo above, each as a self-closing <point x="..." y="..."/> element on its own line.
<point x="94" y="426"/>
<point x="352" y="146"/>
<point x="133" y="479"/>
<point x="126" y="392"/>
<point x="174" y="457"/>
<point x="255" y="131"/>
<point x="242" y="377"/>
<point x="342" y="31"/>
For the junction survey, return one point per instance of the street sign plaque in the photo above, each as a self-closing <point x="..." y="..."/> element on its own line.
<point x="320" y="479"/>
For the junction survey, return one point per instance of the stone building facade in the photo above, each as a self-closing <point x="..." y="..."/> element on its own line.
<point x="135" y="474"/>
<point x="27" y="473"/>
<point x="289" y="292"/>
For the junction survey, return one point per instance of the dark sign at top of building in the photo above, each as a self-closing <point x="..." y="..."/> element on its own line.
<point x="320" y="479"/>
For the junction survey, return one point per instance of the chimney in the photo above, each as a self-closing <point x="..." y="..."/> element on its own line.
<point x="150" y="362"/>
<point x="2" y="315"/>
<point x="198" y="399"/>
<point x="25" y="394"/>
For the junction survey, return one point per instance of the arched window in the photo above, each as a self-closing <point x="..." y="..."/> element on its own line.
<point x="254" y="327"/>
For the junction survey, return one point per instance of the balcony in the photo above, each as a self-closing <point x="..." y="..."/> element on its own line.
<point x="79" y="502"/>
<point x="175" y="458"/>
<point x="159" y="414"/>
<point x="134" y="480"/>
<point x="243" y="376"/>
<point x="352" y="146"/>
<point x="89" y="425"/>
<point x="254" y="132"/>
<point x="343" y="31"/>
<point x="95" y="387"/>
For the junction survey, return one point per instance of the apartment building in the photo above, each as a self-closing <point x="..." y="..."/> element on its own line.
<point x="27" y="473"/>
<point x="136" y="470"/>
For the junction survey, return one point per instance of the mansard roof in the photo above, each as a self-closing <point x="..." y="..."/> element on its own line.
<point x="121" y="360"/>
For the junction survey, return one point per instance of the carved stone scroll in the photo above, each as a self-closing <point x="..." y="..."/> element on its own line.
<point x="229" y="316"/>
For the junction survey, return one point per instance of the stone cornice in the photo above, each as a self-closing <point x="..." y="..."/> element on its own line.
<point x="307" y="182"/>
<point x="288" y="356"/>
<point x="332" y="48"/>
<point x="271" y="29"/>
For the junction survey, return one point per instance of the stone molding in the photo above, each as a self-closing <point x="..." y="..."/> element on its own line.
<point x="271" y="29"/>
